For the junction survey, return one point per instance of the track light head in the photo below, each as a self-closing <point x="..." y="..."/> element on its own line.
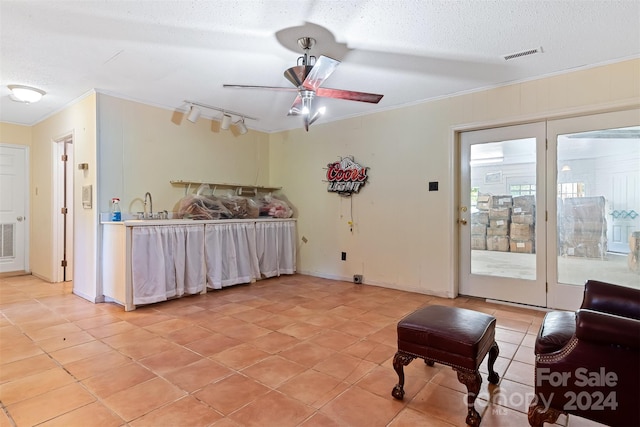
<point x="194" y="113"/>
<point x="242" y="128"/>
<point x="226" y="121"/>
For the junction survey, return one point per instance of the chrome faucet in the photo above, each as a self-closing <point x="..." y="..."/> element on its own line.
<point x="150" y="205"/>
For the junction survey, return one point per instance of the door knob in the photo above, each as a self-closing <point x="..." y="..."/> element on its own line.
<point x="20" y="218"/>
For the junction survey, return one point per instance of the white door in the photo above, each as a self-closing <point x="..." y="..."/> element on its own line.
<point x="13" y="208"/>
<point x="593" y="186"/>
<point x="501" y="214"/>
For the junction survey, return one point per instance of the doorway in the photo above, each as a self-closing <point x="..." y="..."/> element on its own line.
<point x="14" y="206"/>
<point x="63" y="209"/>
<point x="546" y="206"/>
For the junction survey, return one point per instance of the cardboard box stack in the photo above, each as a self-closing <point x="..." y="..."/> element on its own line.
<point x="522" y="229"/>
<point x="504" y="223"/>
<point x="583" y="227"/>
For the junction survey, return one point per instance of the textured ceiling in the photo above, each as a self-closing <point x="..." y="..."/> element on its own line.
<point x="163" y="52"/>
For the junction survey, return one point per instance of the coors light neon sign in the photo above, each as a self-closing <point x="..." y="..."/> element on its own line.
<point x="346" y="176"/>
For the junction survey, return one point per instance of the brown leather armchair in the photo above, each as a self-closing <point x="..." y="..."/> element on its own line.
<point x="588" y="362"/>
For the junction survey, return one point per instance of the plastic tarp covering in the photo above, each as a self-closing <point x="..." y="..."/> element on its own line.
<point x="582" y="227"/>
<point x="167" y="262"/>
<point x="230" y="254"/>
<point x="276" y="249"/>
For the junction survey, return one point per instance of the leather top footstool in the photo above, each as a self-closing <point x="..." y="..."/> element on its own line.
<point x="452" y="336"/>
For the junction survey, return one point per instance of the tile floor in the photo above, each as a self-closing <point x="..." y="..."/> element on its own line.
<point x="288" y="351"/>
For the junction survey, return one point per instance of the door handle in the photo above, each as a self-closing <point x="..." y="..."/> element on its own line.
<point x="20" y="219"/>
<point x="462" y="221"/>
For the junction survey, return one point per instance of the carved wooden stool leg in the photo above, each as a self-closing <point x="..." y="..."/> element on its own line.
<point x="538" y="414"/>
<point x="493" y="355"/>
<point x="400" y="360"/>
<point x="472" y="380"/>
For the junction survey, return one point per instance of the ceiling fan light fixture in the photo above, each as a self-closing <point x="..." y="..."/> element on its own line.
<point x="226" y="121"/>
<point x="194" y="113"/>
<point x="26" y="94"/>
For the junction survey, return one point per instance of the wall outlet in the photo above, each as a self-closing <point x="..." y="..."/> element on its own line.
<point x="357" y="278"/>
<point x="343" y="256"/>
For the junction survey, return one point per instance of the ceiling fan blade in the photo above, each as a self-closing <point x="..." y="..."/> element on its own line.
<point x="286" y="89"/>
<point x="320" y="72"/>
<point x="349" y="95"/>
<point x="296" y="107"/>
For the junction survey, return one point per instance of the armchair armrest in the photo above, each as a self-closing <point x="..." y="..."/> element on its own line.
<point x="612" y="299"/>
<point x="609" y="329"/>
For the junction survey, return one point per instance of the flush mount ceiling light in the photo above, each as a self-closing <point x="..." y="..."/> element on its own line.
<point x="26" y="94"/>
<point x="227" y="116"/>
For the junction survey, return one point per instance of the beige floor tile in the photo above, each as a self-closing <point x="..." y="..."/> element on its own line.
<point x="143" y="398"/>
<point x="79" y="352"/>
<point x="69" y="340"/>
<point x="26" y="367"/>
<point x="184" y="412"/>
<point x="124" y="377"/>
<point x="240" y="356"/>
<point x="521" y="373"/>
<point x="147" y="348"/>
<point x="525" y="355"/>
<point x="59" y="330"/>
<point x="95" y="414"/>
<point x="97" y="364"/>
<point x="334" y="340"/>
<point x="274" y="342"/>
<point x="197" y="375"/>
<point x="357" y="407"/>
<point x="231" y="393"/>
<point x="273" y="409"/>
<point x="18" y="350"/>
<point x="170" y="360"/>
<point x="49" y="405"/>
<point x="444" y="403"/>
<point x="411" y="418"/>
<point x="311" y="386"/>
<point x="34" y="385"/>
<point x="510" y="336"/>
<point x="273" y="370"/>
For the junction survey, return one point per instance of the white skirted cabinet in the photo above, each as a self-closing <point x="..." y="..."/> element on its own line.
<point x="151" y="261"/>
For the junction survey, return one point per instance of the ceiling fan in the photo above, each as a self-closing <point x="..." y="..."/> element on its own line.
<point x="307" y="77"/>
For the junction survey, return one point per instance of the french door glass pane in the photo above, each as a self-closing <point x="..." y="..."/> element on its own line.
<point x="503" y="198"/>
<point x="598" y="182"/>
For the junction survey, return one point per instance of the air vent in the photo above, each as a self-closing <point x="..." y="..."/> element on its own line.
<point x="522" y="53"/>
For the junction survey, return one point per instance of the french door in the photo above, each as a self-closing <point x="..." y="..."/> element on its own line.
<point x="546" y="206"/>
<point x="501" y="214"/>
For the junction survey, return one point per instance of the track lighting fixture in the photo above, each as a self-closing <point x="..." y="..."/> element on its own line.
<point x="227" y="116"/>
<point x="226" y="121"/>
<point x="26" y="94"/>
<point x="194" y="113"/>
<point x="242" y="128"/>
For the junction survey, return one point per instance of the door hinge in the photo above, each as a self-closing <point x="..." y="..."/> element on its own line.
<point x="546" y="144"/>
<point x="63" y="211"/>
<point x="64" y="157"/>
<point x="546" y="215"/>
<point x="63" y="263"/>
<point x="546" y="287"/>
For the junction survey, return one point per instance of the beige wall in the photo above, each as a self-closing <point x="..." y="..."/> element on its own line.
<point x="78" y="120"/>
<point x="15" y="134"/>
<point x="142" y="148"/>
<point x="405" y="236"/>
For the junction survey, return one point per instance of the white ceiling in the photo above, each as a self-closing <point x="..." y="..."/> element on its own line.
<point x="163" y="52"/>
